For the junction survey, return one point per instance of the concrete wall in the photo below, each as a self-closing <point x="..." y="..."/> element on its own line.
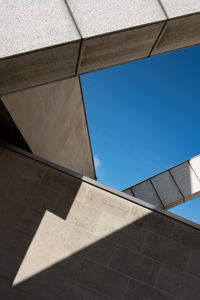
<point x="66" y="238"/>
<point x="9" y="132"/>
<point x="52" y="120"/>
<point x="172" y="187"/>
<point x="42" y="43"/>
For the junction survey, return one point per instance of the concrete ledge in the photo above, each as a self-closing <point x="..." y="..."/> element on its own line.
<point x="102" y="186"/>
<point x="44" y="43"/>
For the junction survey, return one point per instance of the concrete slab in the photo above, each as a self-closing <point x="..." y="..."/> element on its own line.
<point x="101" y="17"/>
<point x="121" y="47"/>
<point x="176" y="8"/>
<point x="98" y="18"/>
<point x="186" y="180"/>
<point x="37" y="68"/>
<point x="195" y="164"/>
<point x="52" y="120"/>
<point x="30" y="34"/>
<point x="29" y="25"/>
<point x="167" y="189"/>
<point x="146" y="192"/>
<point x="179" y="33"/>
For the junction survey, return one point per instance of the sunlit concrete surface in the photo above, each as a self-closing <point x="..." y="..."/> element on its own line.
<point x="65" y="237"/>
<point x="172" y="187"/>
<point x="39" y="43"/>
<point x="43" y="43"/>
<point x="53" y="122"/>
<point x="121" y="27"/>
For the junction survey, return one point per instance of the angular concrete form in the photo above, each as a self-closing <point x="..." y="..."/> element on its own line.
<point x="172" y="187"/>
<point x="63" y="235"/>
<point x="115" y="32"/>
<point x="146" y="190"/>
<point x="67" y="237"/>
<point x="39" y="43"/>
<point x="43" y="43"/>
<point x="183" y="27"/>
<point x="52" y="120"/>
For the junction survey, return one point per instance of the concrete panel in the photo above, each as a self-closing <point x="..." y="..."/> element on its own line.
<point x="179" y="33"/>
<point x="128" y="191"/>
<point x="186" y="180"/>
<point x="146" y="192"/>
<point x="135" y="265"/>
<point x="144" y="292"/>
<point x="177" y="8"/>
<point x="178" y="284"/>
<point x="180" y="183"/>
<point x="117" y="251"/>
<point x="98" y="18"/>
<point x="117" y="48"/>
<point x="167" y="189"/>
<point x="27" y="26"/>
<point x="52" y="120"/>
<point x="36" y="68"/>
<point x="163" y="249"/>
<point x="195" y="164"/>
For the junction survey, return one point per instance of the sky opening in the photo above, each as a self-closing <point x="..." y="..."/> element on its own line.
<point x="144" y="117"/>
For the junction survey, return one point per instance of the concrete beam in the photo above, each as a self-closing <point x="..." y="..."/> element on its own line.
<point x="172" y="187"/>
<point x="53" y="122"/>
<point x="116" y="32"/>
<point x="42" y="43"/>
<point x="182" y="28"/>
<point x="39" y="43"/>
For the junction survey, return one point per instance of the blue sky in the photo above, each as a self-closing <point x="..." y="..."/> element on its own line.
<point x="144" y="117"/>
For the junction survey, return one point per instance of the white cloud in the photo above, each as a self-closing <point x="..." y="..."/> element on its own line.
<point x="97" y="162"/>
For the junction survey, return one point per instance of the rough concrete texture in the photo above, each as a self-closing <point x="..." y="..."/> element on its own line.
<point x="62" y="238"/>
<point x="41" y="43"/>
<point x="28" y="29"/>
<point x="167" y="189"/>
<point x="195" y="164"/>
<point x="147" y="192"/>
<point x="52" y="120"/>
<point x="121" y="47"/>
<point x="101" y="17"/>
<point x="179" y="33"/>
<point x="29" y="25"/>
<point x="171" y="188"/>
<point x="177" y="8"/>
<point x="36" y="68"/>
<point x="186" y="180"/>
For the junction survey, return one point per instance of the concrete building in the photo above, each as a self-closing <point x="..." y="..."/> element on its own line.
<point x="64" y="235"/>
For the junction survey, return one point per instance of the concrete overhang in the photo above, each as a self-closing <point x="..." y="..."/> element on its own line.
<point x="171" y="187"/>
<point x="52" y="120"/>
<point x="44" y="43"/>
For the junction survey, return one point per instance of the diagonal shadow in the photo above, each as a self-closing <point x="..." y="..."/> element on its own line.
<point x="61" y="240"/>
<point x="130" y="263"/>
<point x="27" y="189"/>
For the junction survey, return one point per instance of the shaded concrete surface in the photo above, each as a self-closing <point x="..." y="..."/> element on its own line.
<point x="53" y="122"/>
<point x="39" y="43"/>
<point x="62" y="238"/>
<point x="116" y="31"/>
<point x="172" y="187"/>
<point x="9" y="132"/>
<point x="43" y="43"/>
